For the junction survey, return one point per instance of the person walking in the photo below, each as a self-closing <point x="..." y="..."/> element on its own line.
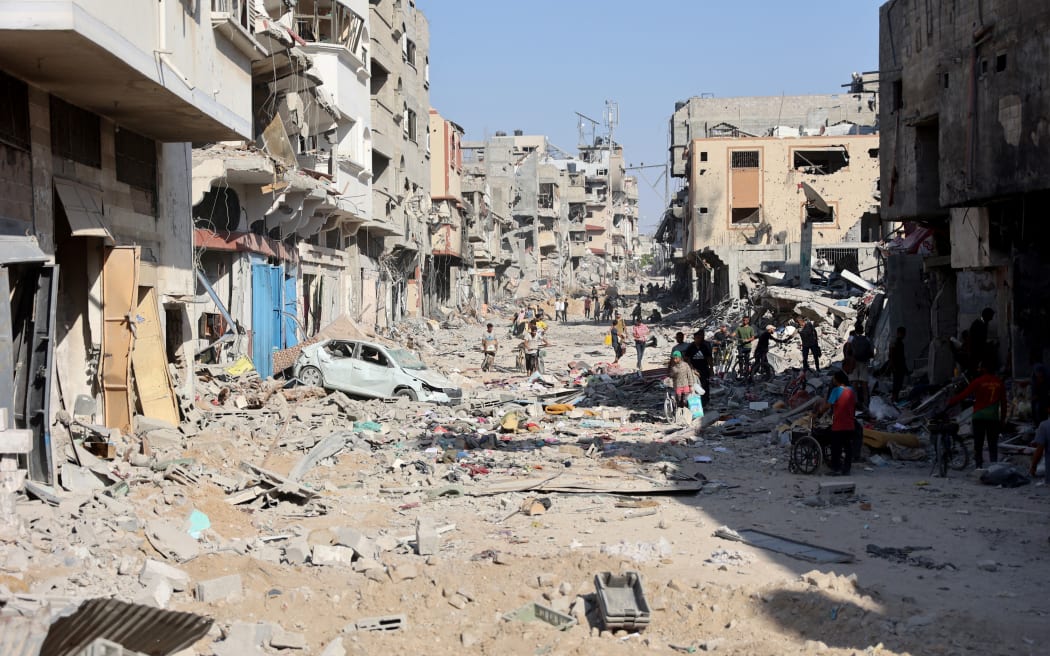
<point x="898" y="364"/>
<point x="636" y="313"/>
<point x="680" y="344"/>
<point x="810" y="344"/>
<point x="640" y="333"/>
<point x="699" y="356"/>
<point x="607" y="308"/>
<point x="989" y="412"/>
<point x="979" y="351"/>
<point x="587" y="307"/>
<point x="762" y="345"/>
<point x="682" y="378"/>
<point x="532" y="344"/>
<point x="617" y="341"/>
<point x="489" y="346"/>
<point x="862" y="351"/>
<point x="843" y="399"/>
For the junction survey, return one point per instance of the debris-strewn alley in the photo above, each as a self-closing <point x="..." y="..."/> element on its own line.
<point x="298" y="356"/>
<point x="298" y="519"/>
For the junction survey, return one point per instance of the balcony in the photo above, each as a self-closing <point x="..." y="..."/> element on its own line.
<point x="91" y="54"/>
<point x="234" y="19"/>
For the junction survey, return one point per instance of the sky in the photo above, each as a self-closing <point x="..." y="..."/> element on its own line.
<point x="530" y="64"/>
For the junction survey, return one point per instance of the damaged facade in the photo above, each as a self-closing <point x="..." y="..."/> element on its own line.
<point x="772" y="184"/>
<point x="965" y="165"/>
<point x="567" y="220"/>
<point x="99" y="106"/>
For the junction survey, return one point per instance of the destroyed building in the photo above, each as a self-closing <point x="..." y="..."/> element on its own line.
<point x="100" y="105"/>
<point x="447" y="279"/>
<point x="965" y="165"/>
<point x="772" y="184"/>
<point x="567" y="228"/>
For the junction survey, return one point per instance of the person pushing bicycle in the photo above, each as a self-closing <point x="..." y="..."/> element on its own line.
<point x="745" y="334"/>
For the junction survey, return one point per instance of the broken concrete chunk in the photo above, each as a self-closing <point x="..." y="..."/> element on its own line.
<point x="427" y="539"/>
<point x="356" y="540"/>
<point x="172" y="541"/>
<point x="80" y="480"/>
<point x="282" y="639"/>
<point x="405" y="572"/>
<point x="334" y="648"/>
<point x="324" y="554"/>
<point x="153" y="570"/>
<point x="224" y="588"/>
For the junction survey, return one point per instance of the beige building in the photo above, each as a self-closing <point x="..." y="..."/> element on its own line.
<point x="750" y="199"/>
<point x="447" y="275"/>
<point x="395" y="243"/>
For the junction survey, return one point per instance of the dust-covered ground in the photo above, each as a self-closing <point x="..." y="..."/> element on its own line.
<point x="940" y="565"/>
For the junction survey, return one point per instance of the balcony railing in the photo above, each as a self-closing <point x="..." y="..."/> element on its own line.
<point x="237" y="11"/>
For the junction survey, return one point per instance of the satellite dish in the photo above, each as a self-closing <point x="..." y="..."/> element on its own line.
<point x="815" y="200"/>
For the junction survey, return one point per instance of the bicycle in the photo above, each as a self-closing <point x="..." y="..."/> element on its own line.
<point x="741" y="368"/>
<point x="670" y="403"/>
<point x="799" y="383"/>
<point x="948" y="449"/>
<point x="760" y="371"/>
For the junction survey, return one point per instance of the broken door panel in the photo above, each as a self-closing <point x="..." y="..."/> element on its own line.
<point x="149" y="362"/>
<point x="266" y="316"/>
<point x="120" y="272"/>
<point x="36" y="407"/>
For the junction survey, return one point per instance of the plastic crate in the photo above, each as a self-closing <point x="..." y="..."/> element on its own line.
<point x="621" y="601"/>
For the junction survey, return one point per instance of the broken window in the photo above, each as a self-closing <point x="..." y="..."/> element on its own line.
<point x="75" y="133"/>
<point x="822" y="161"/>
<point x="815" y="215"/>
<point x="14" y="112"/>
<point x="746" y="181"/>
<point x="546" y="197"/>
<point x="328" y="21"/>
<point x="410" y="52"/>
<point x="136" y="160"/>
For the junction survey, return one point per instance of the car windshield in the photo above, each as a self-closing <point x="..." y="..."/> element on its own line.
<point x="407" y="359"/>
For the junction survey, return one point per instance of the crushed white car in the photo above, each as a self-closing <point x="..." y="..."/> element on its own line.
<point x="374" y="371"/>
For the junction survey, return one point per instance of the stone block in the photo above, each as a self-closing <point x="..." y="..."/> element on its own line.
<point x="152" y="570"/>
<point x="324" y="554"/>
<point x="281" y="639"/>
<point x="356" y="540"/>
<point x="427" y="539"/>
<point x="223" y="588"/>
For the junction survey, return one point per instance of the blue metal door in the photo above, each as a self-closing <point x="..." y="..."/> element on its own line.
<point x="266" y="316"/>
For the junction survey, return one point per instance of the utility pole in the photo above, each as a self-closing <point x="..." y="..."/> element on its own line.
<point x="612" y="117"/>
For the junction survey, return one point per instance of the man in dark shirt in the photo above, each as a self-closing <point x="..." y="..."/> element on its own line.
<point x="698" y="355"/>
<point x="979" y="341"/>
<point x="810" y="344"/>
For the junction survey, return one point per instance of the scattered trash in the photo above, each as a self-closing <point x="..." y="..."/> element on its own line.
<point x="793" y="548"/>
<point x="532" y="612"/>
<point x="1004" y="475"/>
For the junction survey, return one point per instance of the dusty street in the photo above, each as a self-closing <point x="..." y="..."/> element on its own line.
<point x="312" y="566"/>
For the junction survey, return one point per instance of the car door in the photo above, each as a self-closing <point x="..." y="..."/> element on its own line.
<point x="373" y="371"/>
<point x="337" y="365"/>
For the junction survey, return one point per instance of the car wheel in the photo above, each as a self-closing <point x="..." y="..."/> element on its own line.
<point x="311" y="376"/>
<point x="406" y="393"/>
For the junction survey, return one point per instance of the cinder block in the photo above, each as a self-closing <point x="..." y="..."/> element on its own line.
<point x="837" y="487"/>
<point x="221" y="589"/>
<point x="427" y="539"/>
<point x="356" y="540"/>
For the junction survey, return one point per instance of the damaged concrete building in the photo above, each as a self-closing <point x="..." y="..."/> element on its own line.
<point x="447" y="278"/>
<point x="780" y="185"/>
<point x="563" y="225"/>
<point x="964" y="106"/>
<point x="100" y="104"/>
<point x="275" y="219"/>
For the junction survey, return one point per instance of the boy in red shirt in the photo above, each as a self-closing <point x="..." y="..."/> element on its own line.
<point x="989" y="412"/>
<point x="843" y="399"/>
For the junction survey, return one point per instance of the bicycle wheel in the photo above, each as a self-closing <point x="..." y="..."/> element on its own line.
<point x="670" y="408"/>
<point x="960" y="456"/>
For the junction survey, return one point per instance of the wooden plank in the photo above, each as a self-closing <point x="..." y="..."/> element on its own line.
<point x="581" y="485"/>
<point x="150" y="363"/>
<point x="119" y="300"/>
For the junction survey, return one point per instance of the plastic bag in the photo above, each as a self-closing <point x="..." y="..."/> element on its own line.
<point x="696" y="407"/>
<point x="698" y="389"/>
<point x="608" y="339"/>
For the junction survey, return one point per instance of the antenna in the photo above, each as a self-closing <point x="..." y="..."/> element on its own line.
<point x="580" y="126"/>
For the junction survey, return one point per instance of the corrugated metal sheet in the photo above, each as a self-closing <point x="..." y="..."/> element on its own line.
<point x="145" y="629"/>
<point x="22" y="636"/>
